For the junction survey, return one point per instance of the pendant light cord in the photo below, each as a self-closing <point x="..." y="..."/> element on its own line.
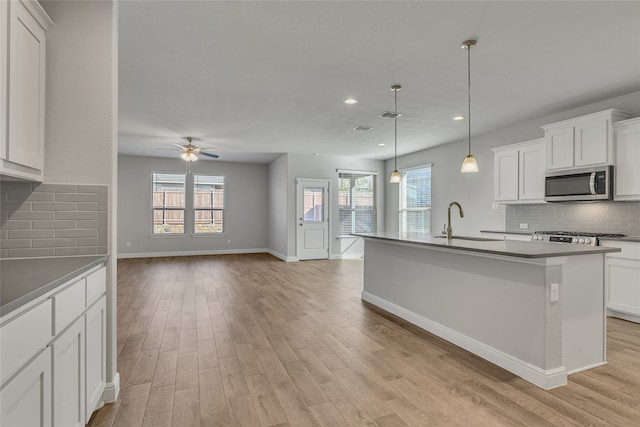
<point x="395" y="130"/>
<point x="469" y="93"/>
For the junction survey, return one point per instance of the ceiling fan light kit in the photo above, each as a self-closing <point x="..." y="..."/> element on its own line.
<point x="190" y="152"/>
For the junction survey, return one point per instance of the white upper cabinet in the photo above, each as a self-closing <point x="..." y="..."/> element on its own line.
<point x="519" y="172"/>
<point x="582" y="142"/>
<point x="23" y="65"/>
<point x="627" y="145"/>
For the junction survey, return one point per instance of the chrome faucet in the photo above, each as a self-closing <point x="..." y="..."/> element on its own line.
<point x="449" y="229"/>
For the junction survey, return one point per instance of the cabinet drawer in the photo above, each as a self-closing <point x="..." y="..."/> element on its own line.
<point x="96" y="285"/>
<point x="23" y="337"/>
<point x="68" y="305"/>
<point x="630" y="250"/>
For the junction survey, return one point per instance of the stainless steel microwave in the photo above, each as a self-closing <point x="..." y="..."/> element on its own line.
<point x="580" y="184"/>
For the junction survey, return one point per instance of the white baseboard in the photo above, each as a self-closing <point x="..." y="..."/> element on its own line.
<point x="624" y="316"/>
<point x="351" y="256"/>
<point x="282" y="257"/>
<point x="112" y="390"/>
<point x="545" y="379"/>
<point x="192" y="253"/>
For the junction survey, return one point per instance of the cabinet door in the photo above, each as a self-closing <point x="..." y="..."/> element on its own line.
<point x="95" y="363"/>
<point x="591" y="142"/>
<point x="531" y="172"/>
<point x="627" y="140"/>
<point x="622" y="280"/>
<point x="506" y="175"/>
<point x="26" y="399"/>
<point x="4" y="34"/>
<point x="25" y="144"/>
<point x="559" y="148"/>
<point x="69" y="376"/>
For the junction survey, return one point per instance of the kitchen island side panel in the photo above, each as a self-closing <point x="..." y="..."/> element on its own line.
<point x="500" y="303"/>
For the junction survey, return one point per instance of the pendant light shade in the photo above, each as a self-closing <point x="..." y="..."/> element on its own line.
<point x="469" y="165"/>
<point x="395" y="176"/>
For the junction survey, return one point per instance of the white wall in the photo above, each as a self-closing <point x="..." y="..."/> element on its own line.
<point x="278" y="219"/>
<point x="475" y="191"/>
<point x="246" y="213"/>
<point x="324" y="167"/>
<point x="81" y="115"/>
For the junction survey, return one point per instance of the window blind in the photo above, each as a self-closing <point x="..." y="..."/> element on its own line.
<point x="357" y="204"/>
<point x="415" y="200"/>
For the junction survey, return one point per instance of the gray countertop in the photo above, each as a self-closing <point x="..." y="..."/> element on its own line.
<point x="23" y="280"/>
<point x="524" y="232"/>
<point x="510" y="248"/>
<point x="624" y="239"/>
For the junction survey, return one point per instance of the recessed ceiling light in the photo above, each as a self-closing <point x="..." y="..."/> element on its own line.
<point x="362" y="128"/>
<point x="457" y="118"/>
<point x="381" y="144"/>
<point x="350" y="101"/>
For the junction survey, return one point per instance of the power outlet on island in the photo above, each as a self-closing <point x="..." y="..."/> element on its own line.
<point x="554" y="292"/>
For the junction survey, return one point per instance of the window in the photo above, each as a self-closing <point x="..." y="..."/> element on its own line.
<point x="415" y="200"/>
<point x="168" y="203"/>
<point x="187" y="202"/>
<point x="208" y="203"/>
<point x="356" y="202"/>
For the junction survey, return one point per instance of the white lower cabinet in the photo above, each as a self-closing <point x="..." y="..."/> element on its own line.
<point x="69" y="376"/>
<point x="26" y="398"/>
<point x="622" y="280"/>
<point x="95" y="363"/>
<point x="54" y="350"/>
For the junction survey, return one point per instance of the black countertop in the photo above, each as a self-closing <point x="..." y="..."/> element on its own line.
<point x="23" y="280"/>
<point x="511" y="248"/>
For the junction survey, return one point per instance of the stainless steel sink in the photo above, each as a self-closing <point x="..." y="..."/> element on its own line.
<point x="478" y="239"/>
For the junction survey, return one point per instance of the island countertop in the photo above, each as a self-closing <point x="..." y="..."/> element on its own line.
<point x="23" y="280"/>
<point x="511" y="248"/>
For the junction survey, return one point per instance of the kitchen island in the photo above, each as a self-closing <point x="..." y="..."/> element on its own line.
<point x="535" y="309"/>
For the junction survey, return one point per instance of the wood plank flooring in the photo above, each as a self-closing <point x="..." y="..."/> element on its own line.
<point x="249" y="340"/>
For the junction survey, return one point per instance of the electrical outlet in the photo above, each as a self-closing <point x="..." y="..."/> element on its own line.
<point x="524" y="226"/>
<point x="554" y="292"/>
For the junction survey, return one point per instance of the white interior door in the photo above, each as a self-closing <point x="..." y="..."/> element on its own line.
<point x="312" y="213"/>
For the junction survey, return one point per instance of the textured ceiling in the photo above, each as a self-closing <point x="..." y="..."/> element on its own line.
<point x="256" y="79"/>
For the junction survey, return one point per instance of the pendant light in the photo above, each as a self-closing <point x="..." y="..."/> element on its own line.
<point x="395" y="177"/>
<point x="469" y="165"/>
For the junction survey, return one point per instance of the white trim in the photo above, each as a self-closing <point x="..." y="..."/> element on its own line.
<point x="191" y="253"/>
<point x="282" y="257"/>
<point x="357" y="172"/>
<point x="112" y="390"/>
<point x="351" y="256"/>
<point x="545" y="379"/>
<point x="426" y="165"/>
<point x="624" y="316"/>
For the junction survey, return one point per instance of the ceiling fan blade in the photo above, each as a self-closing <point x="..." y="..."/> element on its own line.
<point x="182" y="147"/>
<point x="213" y="156"/>
<point x="166" y="149"/>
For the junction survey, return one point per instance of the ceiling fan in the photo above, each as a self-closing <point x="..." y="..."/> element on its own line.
<point x="190" y="152"/>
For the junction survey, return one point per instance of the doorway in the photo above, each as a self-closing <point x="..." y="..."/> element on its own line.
<point x="312" y="217"/>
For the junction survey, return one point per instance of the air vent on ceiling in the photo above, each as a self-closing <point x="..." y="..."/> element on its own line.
<point x="363" y="128"/>
<point x="390" y="114"/>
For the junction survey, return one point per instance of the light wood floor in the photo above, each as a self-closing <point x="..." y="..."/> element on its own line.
<point x="249" y="340"/>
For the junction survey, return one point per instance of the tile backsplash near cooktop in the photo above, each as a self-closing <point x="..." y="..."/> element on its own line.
<point x="604" y="217"/>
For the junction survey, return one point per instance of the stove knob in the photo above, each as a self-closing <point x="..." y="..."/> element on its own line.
<point x="574" y="240"/>
<point x="581" y="240"/>
<point x="588" y="241"/>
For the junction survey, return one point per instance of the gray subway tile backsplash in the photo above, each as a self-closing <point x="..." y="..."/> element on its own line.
<point x="605" y="217"/>
<point x="38" y="219"/>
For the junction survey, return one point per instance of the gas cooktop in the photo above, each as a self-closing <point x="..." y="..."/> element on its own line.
<point x="581" y="233"/>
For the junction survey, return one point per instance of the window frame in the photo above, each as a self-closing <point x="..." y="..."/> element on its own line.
<point x="189" y="209"/>
<point x="212" y="210"/>
<point x="354" y="210"/>
<point x="164" y="208"/>
<point x="402" y="210"/>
